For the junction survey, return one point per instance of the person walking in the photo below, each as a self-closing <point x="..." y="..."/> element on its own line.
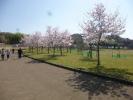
<point x="13" y="50"/>
<point x="20" y="52"/>
<point x="7" y="54"/>
<point x="2" y="54"/>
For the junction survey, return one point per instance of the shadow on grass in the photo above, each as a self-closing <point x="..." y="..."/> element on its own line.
<point x="96" y="86"/>
<point x="112" y="72"/>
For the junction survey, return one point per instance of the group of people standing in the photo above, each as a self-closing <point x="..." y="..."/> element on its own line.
<point x="6" y="53"/>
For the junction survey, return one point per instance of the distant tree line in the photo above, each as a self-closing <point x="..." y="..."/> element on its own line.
<point x="116" y="41"/>
<point x="10" y="38"/>
<point x="111" y="41"/>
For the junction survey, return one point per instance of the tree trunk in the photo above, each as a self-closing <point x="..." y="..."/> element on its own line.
<point x="70" y="49"/>
<point x="29" y="49"/>
<point x="98" y="52"/>
<point x="118" y="52"/>
<point x="67" y="49"/>
<point x="53" y="50"/>
<point x="48" y="50"/>
<point x="114" y="46"/>
<point x="37" y="49"/>
<point x="98" y="55"/>
<point x="91" y="51"/>
<point x="32" y="49"/>
<point x="41" y="49"/>
<point x="61" y="51"/>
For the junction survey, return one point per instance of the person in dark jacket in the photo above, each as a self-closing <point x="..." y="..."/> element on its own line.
<point x="20" y="52"/>
<point x="2" y="54"/>
<point x="8" y="53"/>
<point x="13" y="50"/>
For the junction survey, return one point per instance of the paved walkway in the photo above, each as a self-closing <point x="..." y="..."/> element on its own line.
<point x="27" y="79"/>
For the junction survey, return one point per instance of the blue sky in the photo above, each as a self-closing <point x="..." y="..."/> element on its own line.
<point x="34" y="15"/>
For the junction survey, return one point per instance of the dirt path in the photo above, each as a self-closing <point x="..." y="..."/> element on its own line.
<point x="26" y="79"/>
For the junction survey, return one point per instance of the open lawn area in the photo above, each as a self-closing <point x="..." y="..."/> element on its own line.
<point x="110" y="65"/>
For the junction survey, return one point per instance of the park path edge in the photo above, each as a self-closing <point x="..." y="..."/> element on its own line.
<point x="126" y="82"/>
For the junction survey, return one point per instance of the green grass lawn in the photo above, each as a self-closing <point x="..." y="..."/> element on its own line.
<point x="112" y="66"/>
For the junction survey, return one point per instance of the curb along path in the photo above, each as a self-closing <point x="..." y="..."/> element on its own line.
<point x="126" y="82"/>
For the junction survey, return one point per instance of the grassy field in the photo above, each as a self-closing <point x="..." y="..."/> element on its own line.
<point x="111" y="66"/>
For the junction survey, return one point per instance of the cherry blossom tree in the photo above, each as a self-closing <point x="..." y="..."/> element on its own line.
<point x="101" y="23"/>
<point x="36" y="40"/>
<point x="55" y="39"/>
<point x="49" y="38"/>
<point x="67" y="40"/>
<point x="64" y="40"/>
<point x="28" y="41"/>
